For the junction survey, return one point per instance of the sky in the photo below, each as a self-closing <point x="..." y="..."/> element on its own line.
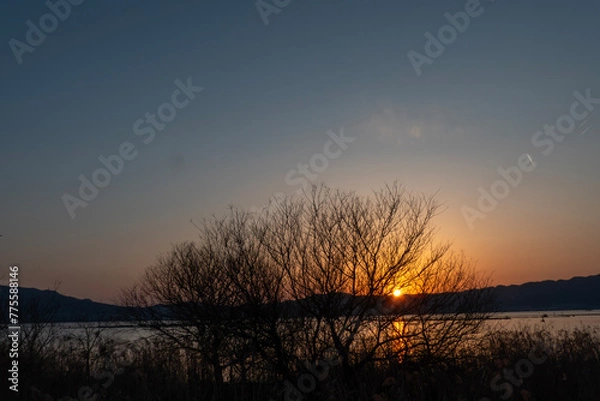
<point x="199" y="105"/>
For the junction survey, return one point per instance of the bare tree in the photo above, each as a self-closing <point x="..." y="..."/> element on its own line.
<point x="342" y="253"/>
<point x="186" y="298"/>
<point x="258" y="293"/>
<point x="259" y="288"/>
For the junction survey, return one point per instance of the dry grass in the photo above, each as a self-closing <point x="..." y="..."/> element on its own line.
<point x="153" y="370"/>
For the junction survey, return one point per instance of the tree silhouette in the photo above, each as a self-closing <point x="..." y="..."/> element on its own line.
<point x="260" y="294"/>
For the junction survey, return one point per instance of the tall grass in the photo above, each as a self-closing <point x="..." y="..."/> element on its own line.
<point x="100" y="368"/>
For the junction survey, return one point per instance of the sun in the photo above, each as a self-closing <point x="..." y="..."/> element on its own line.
<point x="397" y="292"/>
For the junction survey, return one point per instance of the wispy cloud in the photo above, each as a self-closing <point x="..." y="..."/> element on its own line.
<point x="393" y="125"/>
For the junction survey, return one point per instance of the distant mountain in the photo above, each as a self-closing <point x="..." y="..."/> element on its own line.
<point x="48" y="305"/>
<point x="578" y="293"/>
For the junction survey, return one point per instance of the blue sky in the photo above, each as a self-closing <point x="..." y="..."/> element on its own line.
<point x="271" y="94"/>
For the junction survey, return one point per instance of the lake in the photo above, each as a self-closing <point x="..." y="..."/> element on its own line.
<point x="550" y="320"/>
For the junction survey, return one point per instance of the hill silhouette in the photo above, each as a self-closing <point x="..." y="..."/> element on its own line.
<point x="577" y="293"/>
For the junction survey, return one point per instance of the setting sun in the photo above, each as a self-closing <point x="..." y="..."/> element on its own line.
<point x="397" y="292"/>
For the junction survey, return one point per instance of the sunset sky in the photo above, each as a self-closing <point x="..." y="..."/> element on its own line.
<point x="274" y="96"/>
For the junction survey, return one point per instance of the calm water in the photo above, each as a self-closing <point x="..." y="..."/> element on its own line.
<point x="550" y="320"/>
